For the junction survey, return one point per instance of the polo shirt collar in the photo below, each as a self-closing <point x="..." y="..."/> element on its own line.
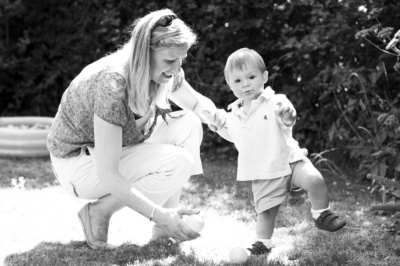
<point x="266" y="94"/>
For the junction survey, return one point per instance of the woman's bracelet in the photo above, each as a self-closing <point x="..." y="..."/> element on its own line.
<point x="152" y="213"/>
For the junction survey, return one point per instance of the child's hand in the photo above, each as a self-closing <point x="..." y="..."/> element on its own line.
<point x="286" y="112"/>
<point x="215" y="120"/>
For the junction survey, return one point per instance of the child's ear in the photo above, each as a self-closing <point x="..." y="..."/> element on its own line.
<point x="265" y="76"/>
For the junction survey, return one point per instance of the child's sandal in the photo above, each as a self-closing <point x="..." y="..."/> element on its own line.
<point x="258" y="248"/>
<point x="329" y="221"/>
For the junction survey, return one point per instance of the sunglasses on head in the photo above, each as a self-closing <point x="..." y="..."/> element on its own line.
<point x="165" y="21"/>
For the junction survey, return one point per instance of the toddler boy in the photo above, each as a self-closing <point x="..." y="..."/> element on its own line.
<point x="260" y="125"/>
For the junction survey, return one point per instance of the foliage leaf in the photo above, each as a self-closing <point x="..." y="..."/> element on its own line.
<point x="396" y="193"/>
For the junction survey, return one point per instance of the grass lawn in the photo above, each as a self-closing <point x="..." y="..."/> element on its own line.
<point x="39" y="226"/>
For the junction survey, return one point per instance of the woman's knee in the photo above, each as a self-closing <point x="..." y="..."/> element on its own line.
<point x="188" y="117"/>
<point x="183" y="161"/>
<point x="191" y="123"/>
<point x="189" y="128"/>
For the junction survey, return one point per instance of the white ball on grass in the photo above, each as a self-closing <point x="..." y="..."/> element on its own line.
<point x="238" y="254"/>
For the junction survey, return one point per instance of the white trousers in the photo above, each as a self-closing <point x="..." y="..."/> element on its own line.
<point x="158" y="167"/>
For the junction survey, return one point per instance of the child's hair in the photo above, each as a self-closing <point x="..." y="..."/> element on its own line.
<point x="241" y="58"/>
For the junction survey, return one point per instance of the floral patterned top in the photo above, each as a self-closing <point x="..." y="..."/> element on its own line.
<point x="101" y="92"/>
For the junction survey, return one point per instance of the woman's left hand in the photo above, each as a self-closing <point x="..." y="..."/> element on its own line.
<point x="170" y="222"/>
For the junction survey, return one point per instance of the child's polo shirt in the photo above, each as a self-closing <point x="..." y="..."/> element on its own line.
<point x="265" y="144"/>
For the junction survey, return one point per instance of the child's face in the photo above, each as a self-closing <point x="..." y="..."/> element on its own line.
<point x="247" y="84"/>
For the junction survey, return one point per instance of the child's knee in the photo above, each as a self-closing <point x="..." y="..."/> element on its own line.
<point x="315" y="181"/>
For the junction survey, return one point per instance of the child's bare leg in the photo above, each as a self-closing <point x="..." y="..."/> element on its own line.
<point x="266" y="223"/>
<point x="310" y="179"/>
<point x="264" y="229"/>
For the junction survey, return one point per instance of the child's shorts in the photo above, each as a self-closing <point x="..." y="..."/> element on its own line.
<point x="272" y="192"/>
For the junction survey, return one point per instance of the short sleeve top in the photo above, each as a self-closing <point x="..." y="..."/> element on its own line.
<point x="103" y="93"/>
<point x="265" y="144"/>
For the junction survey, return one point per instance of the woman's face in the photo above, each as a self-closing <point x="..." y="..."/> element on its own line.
<point x="166" y="62"/>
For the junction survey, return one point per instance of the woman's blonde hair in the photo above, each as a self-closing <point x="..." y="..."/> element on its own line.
<point x="148" y="34"/>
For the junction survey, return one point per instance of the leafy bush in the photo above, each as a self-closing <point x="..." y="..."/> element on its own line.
<point x="382" y="139"/>
<point x="383" y="165"/>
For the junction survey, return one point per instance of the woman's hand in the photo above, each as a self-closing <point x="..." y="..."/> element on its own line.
<point x="216" y="119"/>
<point x="171" y="223"/>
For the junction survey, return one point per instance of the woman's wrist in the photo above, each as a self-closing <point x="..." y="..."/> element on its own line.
<point x="157" y="214"/>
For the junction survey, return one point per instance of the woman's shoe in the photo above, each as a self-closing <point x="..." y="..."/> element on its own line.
<point x="84" y="218"/>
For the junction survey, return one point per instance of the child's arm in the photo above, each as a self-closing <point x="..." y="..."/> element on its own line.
<point x="284" y="109"/>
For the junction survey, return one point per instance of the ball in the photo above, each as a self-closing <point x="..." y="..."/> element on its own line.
<point x="238" y="254"/>
<point x="195" y="222"/>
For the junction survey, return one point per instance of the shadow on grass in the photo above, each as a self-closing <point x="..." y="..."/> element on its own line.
<point x="79" y="253"/>
<point x="158" y="252"/>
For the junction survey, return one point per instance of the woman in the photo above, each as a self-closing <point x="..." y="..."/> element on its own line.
<point x="114" y="140"/>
